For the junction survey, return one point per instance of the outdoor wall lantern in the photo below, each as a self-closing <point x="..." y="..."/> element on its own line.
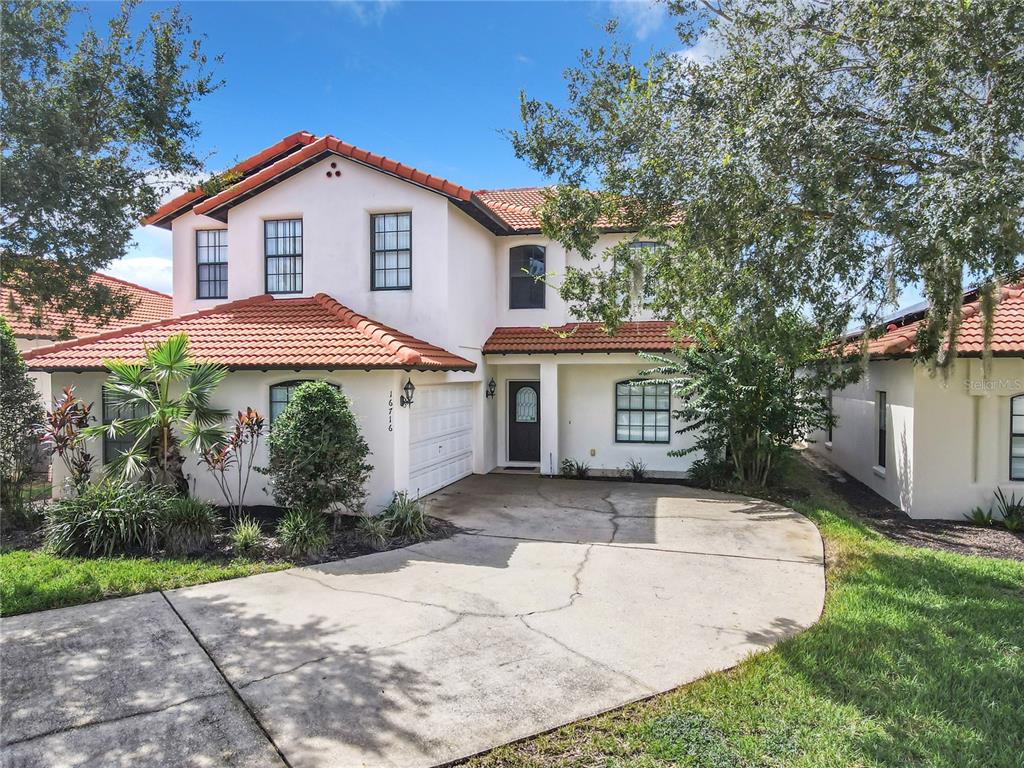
<point x="491" y="388"/>
<point x="409" y="389"/>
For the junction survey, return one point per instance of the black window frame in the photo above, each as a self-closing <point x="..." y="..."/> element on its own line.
<point x="643" y="409"/>
<point x="1014" y="434"/>
<point x="111" y="444"/>
<point x="515" y="274"/>
<point x="299" y="255"/>
<point x="224" y="264"/>
<point x="290" y="383"/>
<point x="385" y="251"/>
<point x="882" y="419"/>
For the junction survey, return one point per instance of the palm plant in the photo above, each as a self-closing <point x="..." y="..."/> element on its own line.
<point x="165" y="393"/>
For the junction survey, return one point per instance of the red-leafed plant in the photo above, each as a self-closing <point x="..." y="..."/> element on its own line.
<point x="62" y="432"/>
<point x="231" y="460"/>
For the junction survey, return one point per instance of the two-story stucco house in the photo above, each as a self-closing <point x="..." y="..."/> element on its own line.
<point x="324" y="261"/>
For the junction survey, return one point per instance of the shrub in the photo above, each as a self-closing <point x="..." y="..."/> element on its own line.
<point x="1011" y="510"/>
<point x="188" y="525"/>
<point x="980" y="516"/>
<point x="247" y="537"/>
<point x="635" y="470"/>
<point x="375" y="530"/>
<point x="62" y="432"/>
<point x="303" y="533"/>
<point x="20" y="414"/>
<point x="711" y="472"/>
<point x="317" y="454"/>
<point x="405" y="516"/>
<point x="110" y="517"/>
<point x="578" y="469"/>
<point x="237" y="452"/>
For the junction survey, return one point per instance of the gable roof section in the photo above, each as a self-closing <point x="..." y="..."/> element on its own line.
<point x="900" y="337"/>
<point x="261" y="333"/>
<point x="149" y="306"/>
<point x="637" y="336"/>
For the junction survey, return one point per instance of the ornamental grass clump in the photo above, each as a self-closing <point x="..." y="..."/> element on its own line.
<point x="405" y="518"/>
<point x="303" y="533"/>
<point x="374" y="530"/>
<point x="188" y="525"/>
<point x="247" y="537"/>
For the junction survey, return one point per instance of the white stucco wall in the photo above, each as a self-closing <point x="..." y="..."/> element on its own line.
<point x="369" y="393"/>
<point x="40" y="379"/>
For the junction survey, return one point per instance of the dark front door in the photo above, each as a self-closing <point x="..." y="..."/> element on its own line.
<point x="524" y="421"/>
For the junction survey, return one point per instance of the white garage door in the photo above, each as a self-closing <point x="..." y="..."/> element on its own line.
<point x="441" y="438"/>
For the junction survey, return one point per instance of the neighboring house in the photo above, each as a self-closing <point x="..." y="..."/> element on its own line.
<point x="324" y="261"/>
<point x="148" y="305"/>
<point x="937" y="447"/>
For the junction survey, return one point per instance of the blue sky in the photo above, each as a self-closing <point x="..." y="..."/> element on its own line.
<point x="430" y="84"/>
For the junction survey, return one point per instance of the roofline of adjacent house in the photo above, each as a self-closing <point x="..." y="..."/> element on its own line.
<point x="282" y="367"/>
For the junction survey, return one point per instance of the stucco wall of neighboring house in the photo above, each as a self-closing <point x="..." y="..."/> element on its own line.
<point x="855" y="437"/>
<point x="39" y="378"/>
<point x="368" y="391"/>
<point x="587" y="422"/>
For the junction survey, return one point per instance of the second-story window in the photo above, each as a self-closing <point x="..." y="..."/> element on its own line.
<point x="526" y="277"/>
<point x="211" y="264"/>
<point x="283" y="250"/>
<point x="391" y="251"/>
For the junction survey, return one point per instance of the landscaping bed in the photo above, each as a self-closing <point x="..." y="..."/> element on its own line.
<point x="918" y="659"/>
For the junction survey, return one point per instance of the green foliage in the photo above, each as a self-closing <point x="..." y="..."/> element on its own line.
<point x="165" y="393"/>
<point x="109" y="517"/>
<point x="20" y="413"/>
<point x="97" y="126"/>
<point x="36" y="581"/>
<point x="237" y="452"/>
<point x="577" y="469"/>
<point x="375" y="530"/>
<point x="317" y="453"/>
<point x="63" y="433"/>
<point x="1010" y="510"/>
<point x="635" y="470"/>
<point x="825" y="155"/>
<point x="188" y="525"/>
<point x="247" y="537"/>
<point x="404" y="516"/>
<point x="303" y="533"/>
<point x="980" y="516"/>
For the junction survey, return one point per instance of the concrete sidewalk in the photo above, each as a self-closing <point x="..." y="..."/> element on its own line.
<point x="561" y="599"/>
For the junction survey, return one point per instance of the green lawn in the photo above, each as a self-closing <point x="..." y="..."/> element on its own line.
<point x="918" y="660"/>
<point x="34" y="581"/>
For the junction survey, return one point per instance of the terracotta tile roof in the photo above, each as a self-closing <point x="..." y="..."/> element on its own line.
<point x="150" y="305"/>
<point x="261" y="332"/>
<point x="518" y="207"/>
<point x="900" y="336"/>
<point x="640" y="336"/>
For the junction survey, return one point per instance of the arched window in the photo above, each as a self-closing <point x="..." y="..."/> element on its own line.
<point x="1017" y="437"/>
<point x="526" y="405"/>
<point x="526" y="266"/>
<point x="643" y="412"/>
<point x="281" y="395"/>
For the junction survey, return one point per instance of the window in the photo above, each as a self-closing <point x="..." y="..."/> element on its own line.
<point x="391" y="252"/>
<point x="883" y="423"/>
<point x="283" y="250"/>
<point x="281" y="395"/>
<point x="115" y="446"/>
<point x="525" y="270"/>
<point x="1017" y="437"/>
<point x="211" y="264"/>
<point x="526" y="405"/>
<point x="642" y="412"/>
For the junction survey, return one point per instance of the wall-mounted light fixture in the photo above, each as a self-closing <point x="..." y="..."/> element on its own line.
<point x="409" y="389"/>
<point x="491" y="388"/>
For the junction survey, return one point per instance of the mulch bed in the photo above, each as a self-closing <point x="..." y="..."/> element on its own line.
<point x="948" y="535"/>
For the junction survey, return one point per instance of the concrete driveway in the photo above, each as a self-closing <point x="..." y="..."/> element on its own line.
<point x="561" y="599"/>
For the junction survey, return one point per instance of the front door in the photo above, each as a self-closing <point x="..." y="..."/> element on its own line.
<point x="524" y="421"/>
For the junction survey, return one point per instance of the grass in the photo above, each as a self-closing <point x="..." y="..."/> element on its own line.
<point x="918" y="660"/>
<point x="31" y="580"/>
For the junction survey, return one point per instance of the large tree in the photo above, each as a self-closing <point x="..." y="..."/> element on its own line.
<point x="823" y="154"/>
<point x="94" y="127"/>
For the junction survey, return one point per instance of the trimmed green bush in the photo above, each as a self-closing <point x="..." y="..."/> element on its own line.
<point x="188" y="525"/>
<point x="247" y="537"/>
<point x="303" y="533"/>
<point x="317" y="454"/>
<point x="109" y="517"/>
<point x="405" y="517"/>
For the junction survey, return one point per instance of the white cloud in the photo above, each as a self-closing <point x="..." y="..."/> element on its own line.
<point x="641" y="16"/>
<point x="368" y="12"/>
<point x="703" y="51"/>
<point x="148" y="261"/>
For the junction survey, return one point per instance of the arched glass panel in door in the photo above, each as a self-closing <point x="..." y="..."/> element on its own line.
<point x="526" y="405"/>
